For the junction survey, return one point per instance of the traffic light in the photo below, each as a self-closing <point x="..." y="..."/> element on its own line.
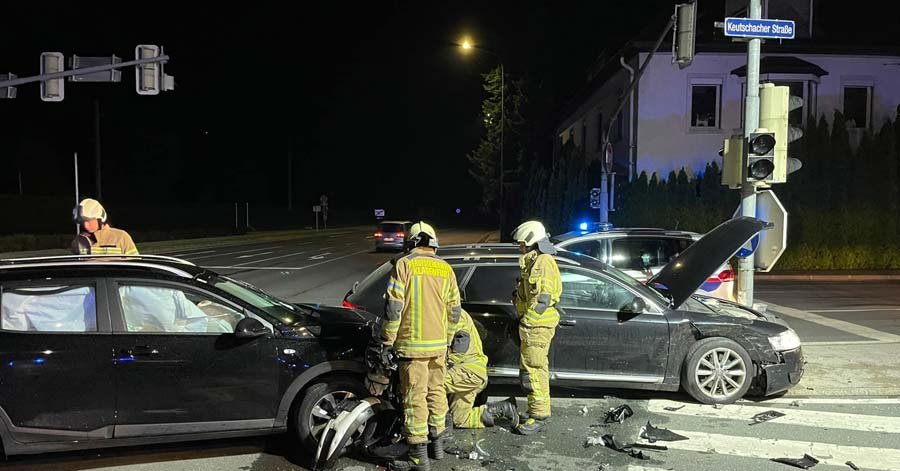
<point x="684" y="34"/>
<point x="147" y="76"/>
<point x="761" y="156"/>
<point x="732" y="155"/>
<point x="775" y="106"/>
<point x="8" y="92"/>
<point x="54" y="89"/>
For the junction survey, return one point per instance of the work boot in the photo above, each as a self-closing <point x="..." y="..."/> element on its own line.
<point x="436" y="447"/>
<point x="505" y="409"/>
<point x="417" y="459"/>
<point x="532" y="425"/>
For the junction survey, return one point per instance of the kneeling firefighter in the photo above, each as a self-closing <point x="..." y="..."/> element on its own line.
<point x="467" y="377"/>
<point x="536" y="296"/>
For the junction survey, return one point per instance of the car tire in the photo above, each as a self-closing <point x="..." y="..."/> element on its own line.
<point x="321" y="398"/>
<point x="717" y="370"/>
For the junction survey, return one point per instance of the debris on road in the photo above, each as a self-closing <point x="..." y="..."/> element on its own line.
<point x="650" y="447"/>
<point x="610" y="442"/>
<point x="673" y="409"/>
<point x="718" y="406"/>
<point x="591" y="441"/>
<point x="481" y="450"/>
<point x="766" y="416"/>
<point x="795" y="404"/>
<point x="618" y="414"/>
<point x="584" y="410"/>
<point x="852" y="466"/>
<point x="806" y="462"/>
<point x="652" y="434"/>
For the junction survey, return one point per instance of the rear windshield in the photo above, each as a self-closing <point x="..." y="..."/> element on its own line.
<point x="389" y="227"/>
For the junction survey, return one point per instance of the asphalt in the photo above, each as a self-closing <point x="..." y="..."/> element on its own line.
<point x="847" y="407"/>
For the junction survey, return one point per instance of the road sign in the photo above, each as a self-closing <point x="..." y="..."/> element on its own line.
<point x="317" y="209"/>
<point x="595" y="198"/>
<point x="761" y="28"/>
<point x="768" y="245"/>
<point x="379" y="213"/>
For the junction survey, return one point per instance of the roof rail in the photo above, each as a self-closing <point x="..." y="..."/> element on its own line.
<point x="75" y="258"/>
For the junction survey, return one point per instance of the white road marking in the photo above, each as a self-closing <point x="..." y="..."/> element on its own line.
<point x="234" y="253"/>
<point x="269" y="259"/>
<point x="806" y="418"/>
<point x="867" y="309"/>
<point x="847" y="342"/>
<point x="254" y="255"/>
<point x="287" y="268"/>
<point x="844" y="326"/>
<point x="320" y="256"/>
<point x="826" y="453"/>
<point x="190" y="253"/>
<point x="826" y="400"/>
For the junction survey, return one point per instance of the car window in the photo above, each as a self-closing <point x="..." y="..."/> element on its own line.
<point x="369" y="293"/>
<point x="259" y="299"/>
<point x="492" y="283"/>
<point x="583" y="289"/>
<point x="158" y="309"/>
<point x="51" y="308"/>
<point x="640" y="253"/>
<point x="591" y="248"/>
<point x="391" y="227"/>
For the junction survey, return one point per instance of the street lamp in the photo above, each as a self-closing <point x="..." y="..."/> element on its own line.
<point x="466" y="45"/>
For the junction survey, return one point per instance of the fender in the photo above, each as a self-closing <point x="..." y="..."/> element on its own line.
<point x="300" y="382"/>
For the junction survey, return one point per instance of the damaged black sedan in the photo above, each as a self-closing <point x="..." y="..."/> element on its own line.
<point x="615" y="332"/>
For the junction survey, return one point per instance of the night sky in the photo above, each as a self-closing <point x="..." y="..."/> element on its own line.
<point x="377" y="102"/>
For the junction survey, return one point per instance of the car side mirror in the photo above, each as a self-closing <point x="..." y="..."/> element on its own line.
<point x="249" y="328"/>
<point x="637" y="305"/>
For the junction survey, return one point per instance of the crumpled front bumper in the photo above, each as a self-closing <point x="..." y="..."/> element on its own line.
<point x="782" y="376"/>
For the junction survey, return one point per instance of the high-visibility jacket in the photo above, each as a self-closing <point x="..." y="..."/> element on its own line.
<point x="107" y="241"/>
<point x="538" y="290"/>
<point x="422" y="306"/>
<point x="466" y="350"/>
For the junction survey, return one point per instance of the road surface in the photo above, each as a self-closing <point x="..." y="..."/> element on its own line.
<point x="847" y="408"/>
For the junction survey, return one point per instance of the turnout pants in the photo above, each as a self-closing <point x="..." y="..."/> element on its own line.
<point x="463" y="386"/>
<point x="424" y="398"/>
<point x="534" y="368"/>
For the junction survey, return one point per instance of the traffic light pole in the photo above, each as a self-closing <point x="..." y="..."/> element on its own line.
<point x="751" y="123"/>
<point x="81" y="71"/>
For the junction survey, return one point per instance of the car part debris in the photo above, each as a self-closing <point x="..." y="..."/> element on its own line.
<point x="481" y="450"/>
<point x="611" y="442"/>
<point x="650" y="447"/>
<point x="852" y="466"/>
<point x="584" y="411"/>
<point x="718" y="406"/>
<point x="673" y="409"/>
<point x="473" y="455"/>
<point x="795" y="404"/>
<point x="653" y="434"/>
<point x="766" y="416"/>
<point x="618" y="414"/>
<point x="806" y="462"/>
<point x="591" y="441"/>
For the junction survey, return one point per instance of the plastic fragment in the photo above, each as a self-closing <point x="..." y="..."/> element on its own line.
<point x="806" y="462"/>
<point x="795" y="404"/>
<point x="473" y="455"/>
<point x="481" y="450"/>
<point x="673" y="409"/>
<point x="618" y="414"/>
<point x="652" y="434"/>
<point x="650" y="447"/>
<point x="584" y="411"/>
<point x="852" y="466"/>
<point x="591" y="441"/>
<point x="611" y="442"/>
<point x="766" y="416"/>
<point x="718" y="406"/>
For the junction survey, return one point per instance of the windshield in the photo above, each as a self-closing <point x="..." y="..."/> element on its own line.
<point x="284" y="312"/>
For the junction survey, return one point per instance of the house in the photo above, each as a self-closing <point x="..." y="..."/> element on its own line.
<point x="679" y="117"/>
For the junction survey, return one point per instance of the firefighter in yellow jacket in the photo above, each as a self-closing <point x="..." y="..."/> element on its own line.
<point x="467" y="377"/>
<point x="97" y="237"/>
<point x="537" y="294"/>
<point x="422" y="306"/>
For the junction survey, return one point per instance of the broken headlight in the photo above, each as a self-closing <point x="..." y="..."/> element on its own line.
<point x="787" y="340"/>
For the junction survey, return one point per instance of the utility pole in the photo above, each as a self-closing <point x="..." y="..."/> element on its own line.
<point x="290" y="176"/>
<point x="77" y="200"/>
<point x="751" y="122"/>
<point x="97" y="147"/>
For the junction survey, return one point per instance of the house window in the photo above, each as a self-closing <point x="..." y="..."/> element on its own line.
<point x="705" y="105"/>
<point x="858" y="106"/>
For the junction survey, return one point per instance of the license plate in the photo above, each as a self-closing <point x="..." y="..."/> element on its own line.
<point x="388" y="239"/>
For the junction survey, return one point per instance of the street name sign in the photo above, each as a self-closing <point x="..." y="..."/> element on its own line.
<point x="759" y="28"/>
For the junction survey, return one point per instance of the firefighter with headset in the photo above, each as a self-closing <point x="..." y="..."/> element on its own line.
<point x="422" y="307"/>
<point x="537" y="293"/>
<point x="96" y="237"/>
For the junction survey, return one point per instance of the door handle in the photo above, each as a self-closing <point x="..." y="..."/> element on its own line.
<point x="568" y="322"/>
<point x="140" y="351"/>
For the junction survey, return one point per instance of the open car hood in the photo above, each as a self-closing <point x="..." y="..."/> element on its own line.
<point x="684" y="275"/>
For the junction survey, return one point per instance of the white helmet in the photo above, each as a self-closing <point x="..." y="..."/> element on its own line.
<point x="89" y="208"/>
<point x="420" y="228"/>
<point x="529" y="233"/>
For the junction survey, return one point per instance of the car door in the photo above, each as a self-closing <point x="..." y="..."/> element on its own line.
<point x="488" y="300"/>
<point x="180" y="368"/>
<point x="598" y="339"/>
<point x="56" y="369"/>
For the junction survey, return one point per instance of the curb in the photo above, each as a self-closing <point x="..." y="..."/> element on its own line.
<point x="483" y="239"/>
<point x="828" y="277"/>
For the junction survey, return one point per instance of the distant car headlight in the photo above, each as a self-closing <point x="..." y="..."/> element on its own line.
<point x="787" y="340"/>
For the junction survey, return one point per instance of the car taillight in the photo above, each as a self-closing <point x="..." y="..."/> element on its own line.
<point x="350" y="305"/>
<point x="723" y="276"/>
<point x="400" y="234"/>
<point x="377" y="234"/>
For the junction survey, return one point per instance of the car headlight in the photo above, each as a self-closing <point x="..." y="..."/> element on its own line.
<point x="787" y="340"/>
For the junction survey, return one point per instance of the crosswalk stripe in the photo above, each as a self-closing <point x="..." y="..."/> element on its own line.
<point x="826" y="400"/>
<point x="750" y="447"/>
<point x="806" y="418"/>
<point x="855" y="329"/>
